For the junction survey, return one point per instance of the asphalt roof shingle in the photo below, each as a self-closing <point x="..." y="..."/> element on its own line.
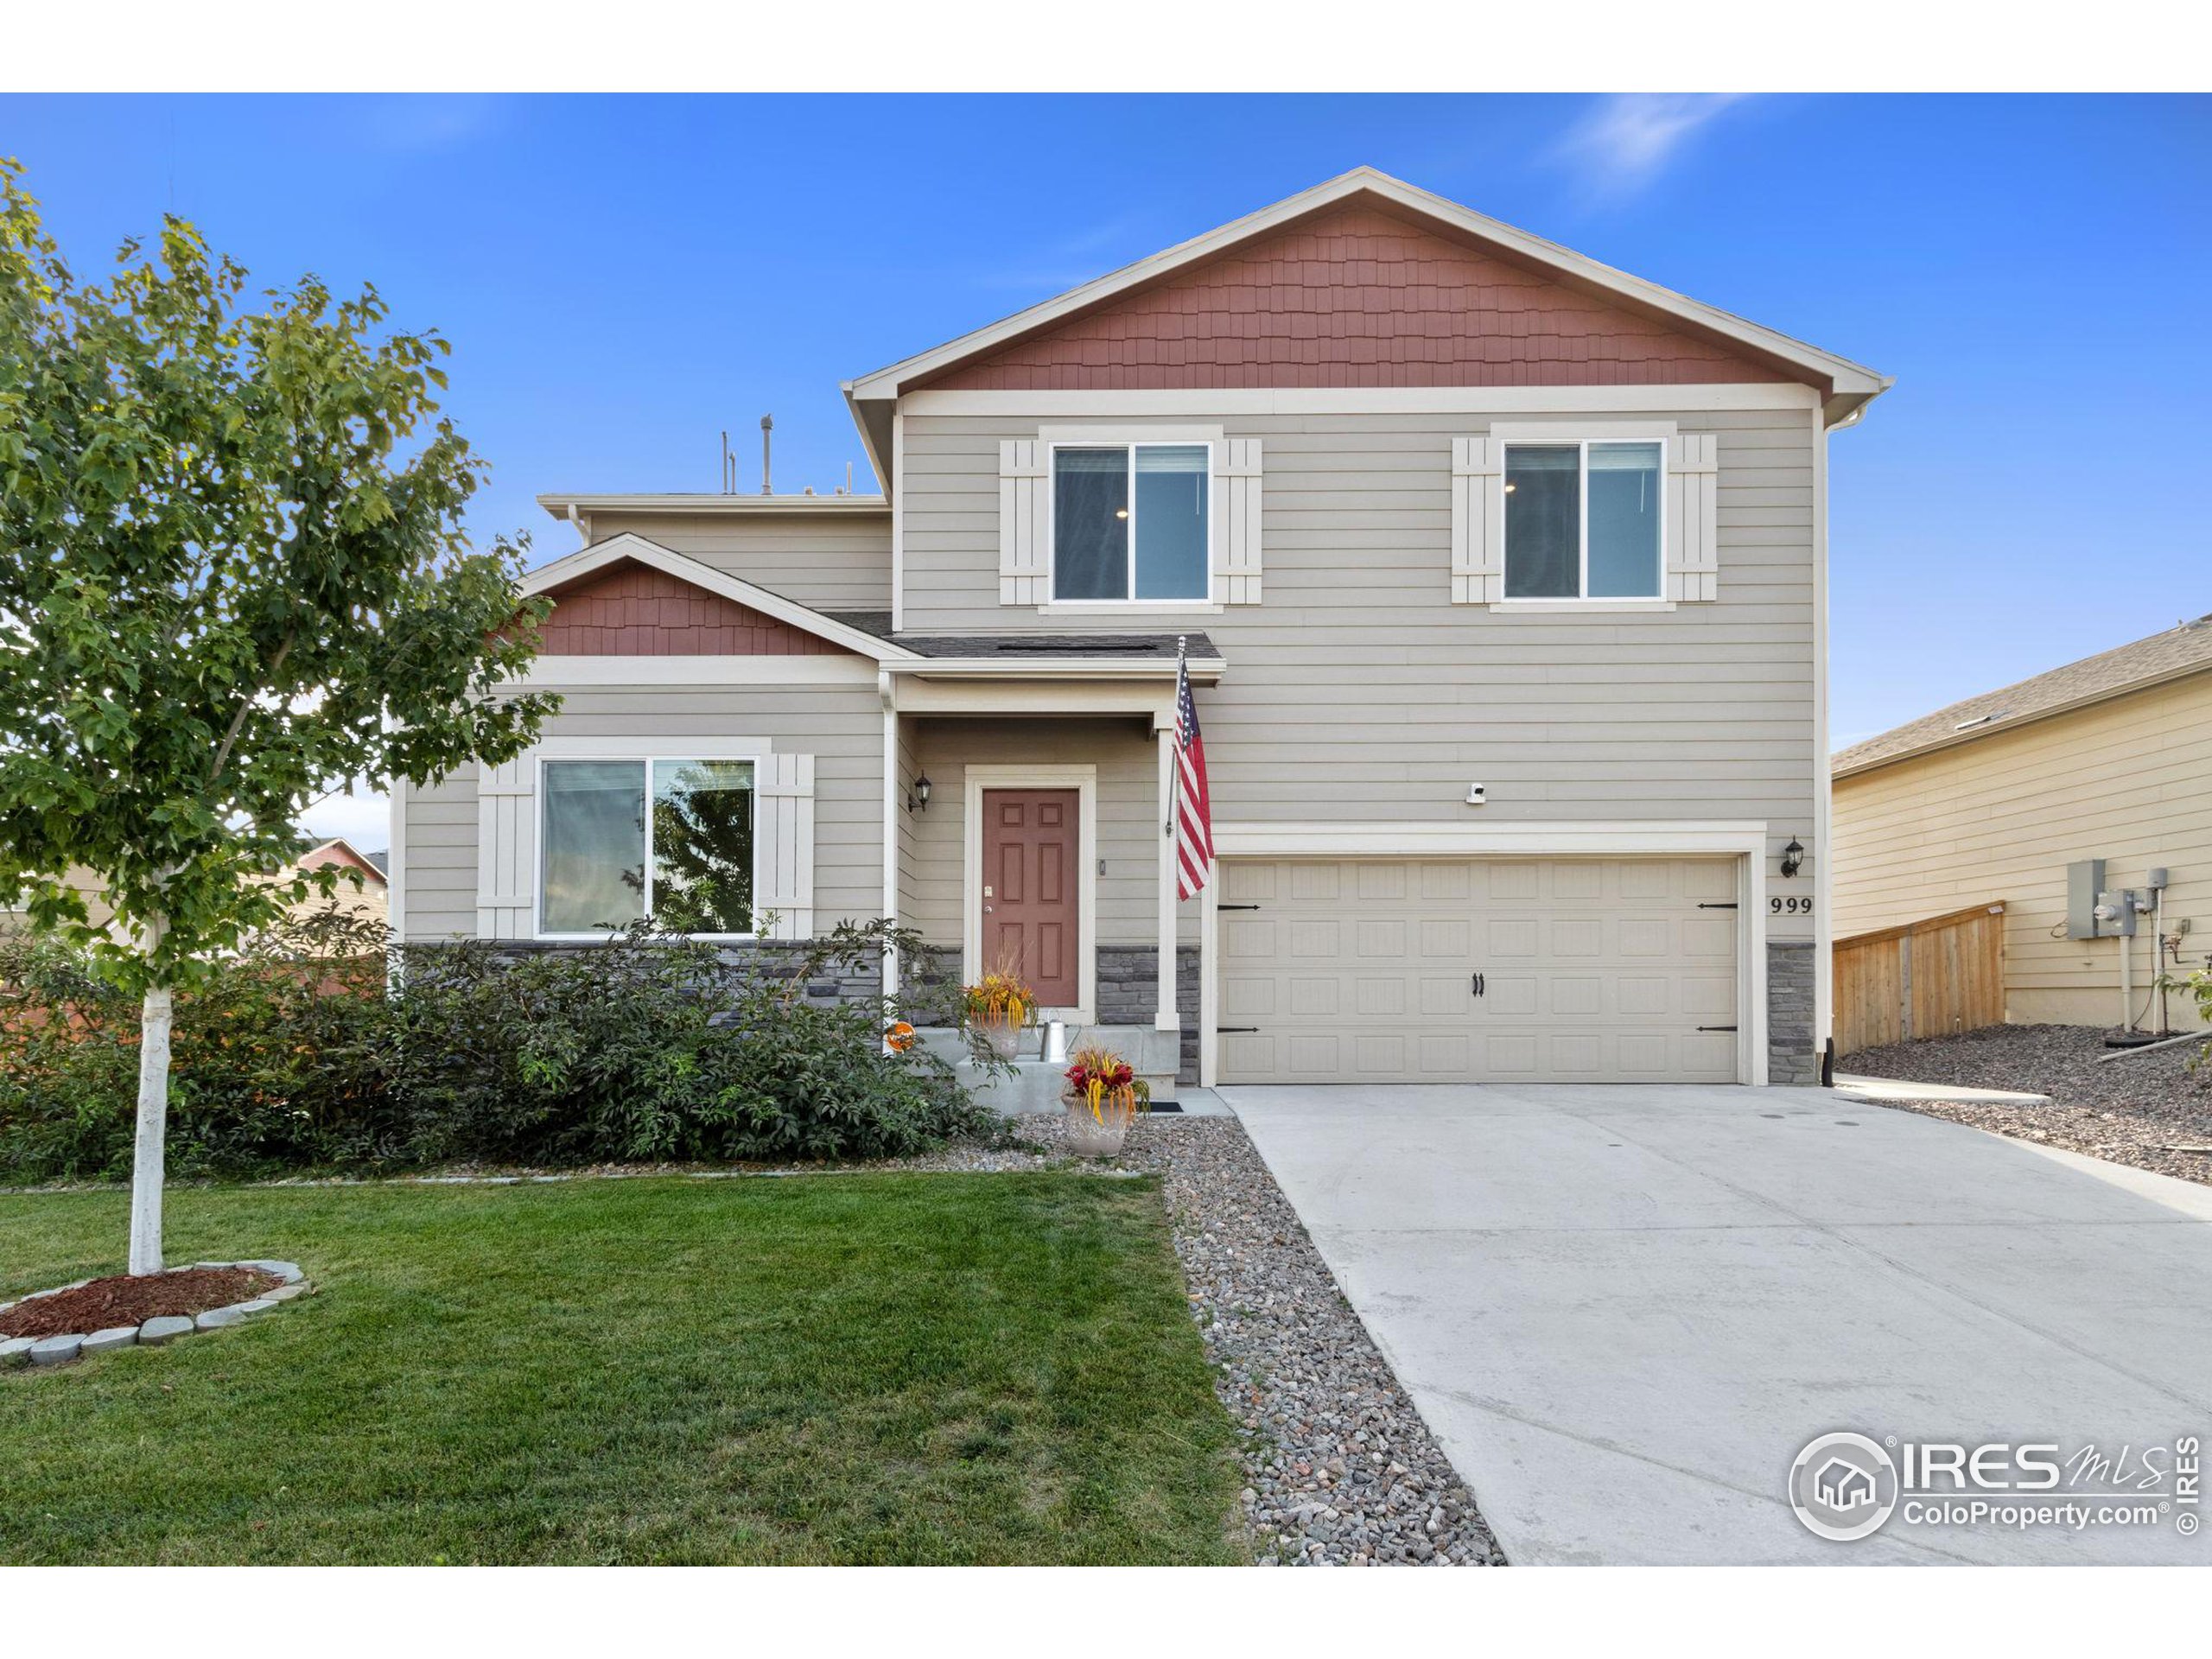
<point x="2185" y="646"/>
<point x="1043" y="646"/>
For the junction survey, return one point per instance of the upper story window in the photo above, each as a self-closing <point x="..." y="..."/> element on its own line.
<point x="1130" y="521"/>
<point x="608" y="861"/>
<point x="1582" y="520"/>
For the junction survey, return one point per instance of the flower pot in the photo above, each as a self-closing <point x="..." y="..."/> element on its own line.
<point x="1089" y="1138"/>
<point x="1005" y="1038"/>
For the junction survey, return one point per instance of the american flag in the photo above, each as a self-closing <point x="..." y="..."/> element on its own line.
<point x="1193" y="811"/>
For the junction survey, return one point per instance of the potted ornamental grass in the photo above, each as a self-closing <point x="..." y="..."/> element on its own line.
<point x="1104" y="1094"/>
<point x="1001" y="1006"/>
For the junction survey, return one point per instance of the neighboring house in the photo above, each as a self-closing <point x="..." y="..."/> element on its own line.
<point x="364" y="902"/>
<point x="1993" y="799"/>
<point x="1503" y="575"/>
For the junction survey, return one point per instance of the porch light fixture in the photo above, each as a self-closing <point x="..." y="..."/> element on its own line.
<point x="918" y="796"/>
<point x="1793" y="857"/>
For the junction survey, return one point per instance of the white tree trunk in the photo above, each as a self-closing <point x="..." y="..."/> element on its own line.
<point x="152" y="1126"/>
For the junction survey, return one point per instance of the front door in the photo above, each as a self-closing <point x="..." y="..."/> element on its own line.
<point x="1031" y="917"/>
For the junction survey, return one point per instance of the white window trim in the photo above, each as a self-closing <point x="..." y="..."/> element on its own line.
<point x="562" y="750"/>
<point x="1582" y="438"/>
<point x="1083" y="779"/>
<point x="1133" y="606"/>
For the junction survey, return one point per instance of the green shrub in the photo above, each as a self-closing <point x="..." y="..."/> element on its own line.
<point x="270" y="1057"/>
<point x="643" y="1048"/>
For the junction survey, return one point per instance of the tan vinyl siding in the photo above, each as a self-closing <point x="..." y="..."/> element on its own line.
<point x="1999" y="818"/>
<point x="841" y="726"/>
<point x="832" y="564"/>
<point x="1358" y="691"/>
<point x="438" y="891"/>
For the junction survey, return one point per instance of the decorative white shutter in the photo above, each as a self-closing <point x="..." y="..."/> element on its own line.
<point x="1025" y="533"/>
<point x="783" y="793"/>
<point x="1477" y="521"/>
<point x="1693" y="478"/>
<point x="506" y="849"/>
<point x="1237" y="521"/>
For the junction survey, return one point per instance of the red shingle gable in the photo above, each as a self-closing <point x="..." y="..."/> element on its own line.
<point x="631" y="610"/>
<point x="1356" y="296"/>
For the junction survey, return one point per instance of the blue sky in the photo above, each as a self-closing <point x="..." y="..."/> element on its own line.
<point x="623" y="278"/>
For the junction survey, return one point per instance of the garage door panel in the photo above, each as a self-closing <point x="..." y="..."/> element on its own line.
<point x="1594" y="971"/>
<point x="1510" y="940"/>
<point x="1579" y="997"/>
<point x="1580" y="937"/>
<point x="1382" y="940"/>
<point x="1711" y="999"/>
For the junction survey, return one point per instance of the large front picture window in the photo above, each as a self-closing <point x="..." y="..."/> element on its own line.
<point x="671" y="840"/>
<point x="1582" y="520"/>
<point x="1130" y="521"/>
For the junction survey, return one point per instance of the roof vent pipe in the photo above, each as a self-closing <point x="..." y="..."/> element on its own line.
<point x="767" y="425"/>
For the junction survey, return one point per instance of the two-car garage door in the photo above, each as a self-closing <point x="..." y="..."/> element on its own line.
<point x="1560" y="970"/>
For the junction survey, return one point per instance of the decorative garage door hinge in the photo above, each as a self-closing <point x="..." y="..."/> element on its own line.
<point x="1235" y="907"/>
<point x="1226" y="1030"/>
<point x="1729" y="904"/>
<point x="1716" y="1027"/>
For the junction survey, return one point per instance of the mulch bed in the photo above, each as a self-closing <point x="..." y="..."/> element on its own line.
<point x="106" y="1303"/>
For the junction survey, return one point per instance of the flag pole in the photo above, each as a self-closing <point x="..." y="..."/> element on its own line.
<point x="1175" y="760"/>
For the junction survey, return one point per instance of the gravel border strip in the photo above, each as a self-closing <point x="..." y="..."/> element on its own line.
<point x="61" y="1349"/>
<point x="2137" y="1112"/>
<point x="1339" y="1468"/>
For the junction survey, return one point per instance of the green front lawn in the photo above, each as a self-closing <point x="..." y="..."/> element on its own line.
<point x="851" y="1368"/>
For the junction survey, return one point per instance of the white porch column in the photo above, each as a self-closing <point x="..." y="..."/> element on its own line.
<point x="1165" y="1016"/>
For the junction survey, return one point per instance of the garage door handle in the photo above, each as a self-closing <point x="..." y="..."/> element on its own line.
<point x="1716" y="1027"/>
<point x="1478" y="982"/>
<point x="1225" y="1030"/>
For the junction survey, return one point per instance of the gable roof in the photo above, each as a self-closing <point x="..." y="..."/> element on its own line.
<point x="343" y="851"/>
<point x="615" y="549"/>
<point x="2181" y="650"/>
<point x="1847" y="386"/>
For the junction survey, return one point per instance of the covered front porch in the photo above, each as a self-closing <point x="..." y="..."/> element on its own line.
<point x="1028" y="815"/>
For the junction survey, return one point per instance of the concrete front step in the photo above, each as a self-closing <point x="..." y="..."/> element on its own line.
<point x="1154" y="1055"/>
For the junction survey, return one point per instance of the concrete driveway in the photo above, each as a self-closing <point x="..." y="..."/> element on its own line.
<point x="1624" y="1311"/>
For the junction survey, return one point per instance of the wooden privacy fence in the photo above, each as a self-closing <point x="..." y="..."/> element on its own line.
<point x="1925" y="979"/>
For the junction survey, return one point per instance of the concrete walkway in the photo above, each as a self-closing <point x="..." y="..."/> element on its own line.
<point x="1624" y="1311"/>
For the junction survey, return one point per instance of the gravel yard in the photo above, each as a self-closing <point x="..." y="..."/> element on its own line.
<point x="2133" y="1111"/>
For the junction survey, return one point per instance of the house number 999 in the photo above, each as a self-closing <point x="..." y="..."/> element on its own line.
<point x="1790" y="906"/>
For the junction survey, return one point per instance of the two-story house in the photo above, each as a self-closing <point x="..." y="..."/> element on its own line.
<point x="1503" y="577"/>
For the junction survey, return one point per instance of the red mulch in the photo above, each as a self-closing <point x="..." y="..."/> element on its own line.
<point x="106" y="1303"/>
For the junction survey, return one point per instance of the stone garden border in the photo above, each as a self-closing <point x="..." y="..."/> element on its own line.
<point x="60" y="1351"/>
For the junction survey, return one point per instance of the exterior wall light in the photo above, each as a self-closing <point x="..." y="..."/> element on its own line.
<point x="918" y="797"/>
<point x="1793" y="857"/>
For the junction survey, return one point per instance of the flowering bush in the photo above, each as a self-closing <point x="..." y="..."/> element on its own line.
<point x="1105" y="1083"/>
<point x="1000" y="998"/>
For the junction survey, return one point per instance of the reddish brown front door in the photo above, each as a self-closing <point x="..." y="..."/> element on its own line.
<point x="1031" y="881"/>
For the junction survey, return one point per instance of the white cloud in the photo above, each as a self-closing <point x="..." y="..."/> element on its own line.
<point x="365" y="820"/>
<point x="1627" y="140"/>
